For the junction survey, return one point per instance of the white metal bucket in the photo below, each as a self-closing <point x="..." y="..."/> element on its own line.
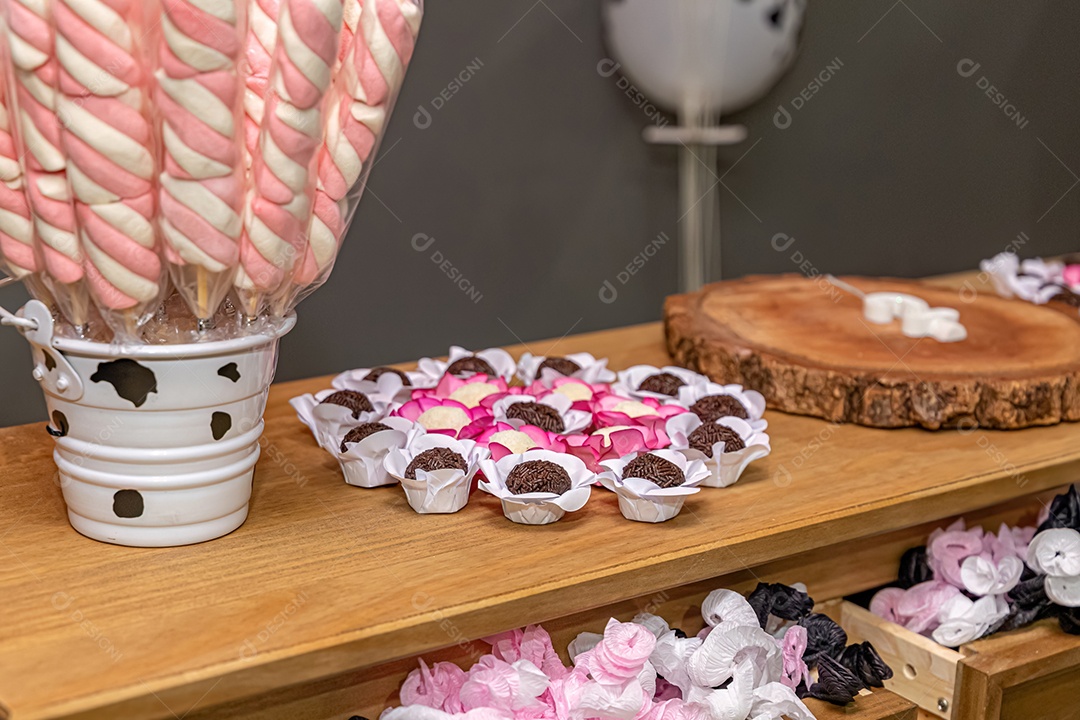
<point x="155" y="445"/>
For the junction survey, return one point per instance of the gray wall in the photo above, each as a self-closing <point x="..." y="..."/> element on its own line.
<point x="534" y="183"/>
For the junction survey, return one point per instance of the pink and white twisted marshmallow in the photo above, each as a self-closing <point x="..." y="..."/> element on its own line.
<point x="198" y="97"/>
<point x="30" y="38"/>
<point x="16" y="231"/>
<point x="371" y="76"/>
<point x="307" y="44"/>
<point x="258" y="52"/>
<point x="107" y="136"/>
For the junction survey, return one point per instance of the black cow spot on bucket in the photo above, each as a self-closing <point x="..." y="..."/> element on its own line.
<point x="220" y="424"/>
<point x="127" y="504"/>
<point x="50" y="361"/>
<point x="59" y="427"/>
<point x="229" y="370"/>
<point x="133" y="382"/>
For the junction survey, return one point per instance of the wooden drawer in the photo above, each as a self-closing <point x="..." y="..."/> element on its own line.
<point x="367" y="692"/>
<point x="1018" y="675"/>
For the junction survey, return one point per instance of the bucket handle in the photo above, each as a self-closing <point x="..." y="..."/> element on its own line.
<point x="9" y="318"/>
<point x="51" y="368"/>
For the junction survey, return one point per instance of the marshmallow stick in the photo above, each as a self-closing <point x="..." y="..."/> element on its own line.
<point x="371" y="75"/>
<point x="33" y="102"/>
<point x="104" y="102"/>
<point x="279" y="199"/>
<point x="199" y="107"/>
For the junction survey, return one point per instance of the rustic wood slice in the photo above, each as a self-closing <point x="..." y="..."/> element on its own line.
<point x="805" y="345"/>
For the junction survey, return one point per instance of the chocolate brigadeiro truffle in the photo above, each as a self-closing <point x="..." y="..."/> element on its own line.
<point x="561" y="365"/>
<point x="438" y="458"/>
<point x="664" y="383"/>
<point x="663" y="472"/>
<point x="471" y="364"/>
<point x="711" y="433"/>
<point x="361" y="431"/>
<point x="376" y="373"/>
<point x="538" y="476"/>
<point x="714" y="407"/>
<point x="356" y="401"/>
<point x="542" y="416"/>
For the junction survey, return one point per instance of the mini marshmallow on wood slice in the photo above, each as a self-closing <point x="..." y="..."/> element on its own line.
<point x="107" y="137"/>
<point x="200" y="117"/>
<point x="278" y="203"/>
<point x="379" y="39"/>
<point x="36" y="130"/>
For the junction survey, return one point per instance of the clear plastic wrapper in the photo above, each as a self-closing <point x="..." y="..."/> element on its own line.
<point x="31" y="73"/>
<point x="164" y="163"/>
<point x="283" y="163"/>
<point x="376" y="51"/>
<point x="17" y="256"/>
<point x="199" y="114"/>
<point x="104" y="103"/>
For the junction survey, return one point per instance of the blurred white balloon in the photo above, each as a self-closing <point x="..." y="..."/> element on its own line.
<point x="703" y="56"/>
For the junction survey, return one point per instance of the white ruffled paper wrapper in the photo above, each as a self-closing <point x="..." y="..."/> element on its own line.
<point x="592" y="370"/>
<point x="645" y="501"/>
<point x="752" y="400"/>
<point x="1034" y="280"/>
<point x="499" y="360"/>
<point x="963" y="619"/>
<point x="538" y="508"/>
<point x="329" y="423"/>
<point x="631" y="378"/>
<point x="725" y="468"/>
<point x="573" y="420"/>
<point x="362" y="463"/>
<point x="736" y="650"/>
<point x="388" y="384"/>
<point x="1056" y="552"/>
<point x="438" y="491"/>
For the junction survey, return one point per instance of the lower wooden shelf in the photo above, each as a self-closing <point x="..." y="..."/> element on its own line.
<point x="1019" y="675"/>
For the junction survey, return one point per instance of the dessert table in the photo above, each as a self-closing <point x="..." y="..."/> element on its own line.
<point x="318" y="605"/>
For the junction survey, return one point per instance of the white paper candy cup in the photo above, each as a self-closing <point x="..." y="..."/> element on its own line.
<point x="156" y="445"/>
<point x="438" y="491"/>
<point x="650" y="511"/>
<point x="725" y="467"/>
<point x="539" y="508"/>
<point x="643" y="500"/>
<point x="363" y="463"/>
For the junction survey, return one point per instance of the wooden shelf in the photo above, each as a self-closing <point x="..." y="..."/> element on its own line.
<point x="325" y="580"/>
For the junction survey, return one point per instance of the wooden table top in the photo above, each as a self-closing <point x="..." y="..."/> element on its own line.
<point x="326" y="579"/>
